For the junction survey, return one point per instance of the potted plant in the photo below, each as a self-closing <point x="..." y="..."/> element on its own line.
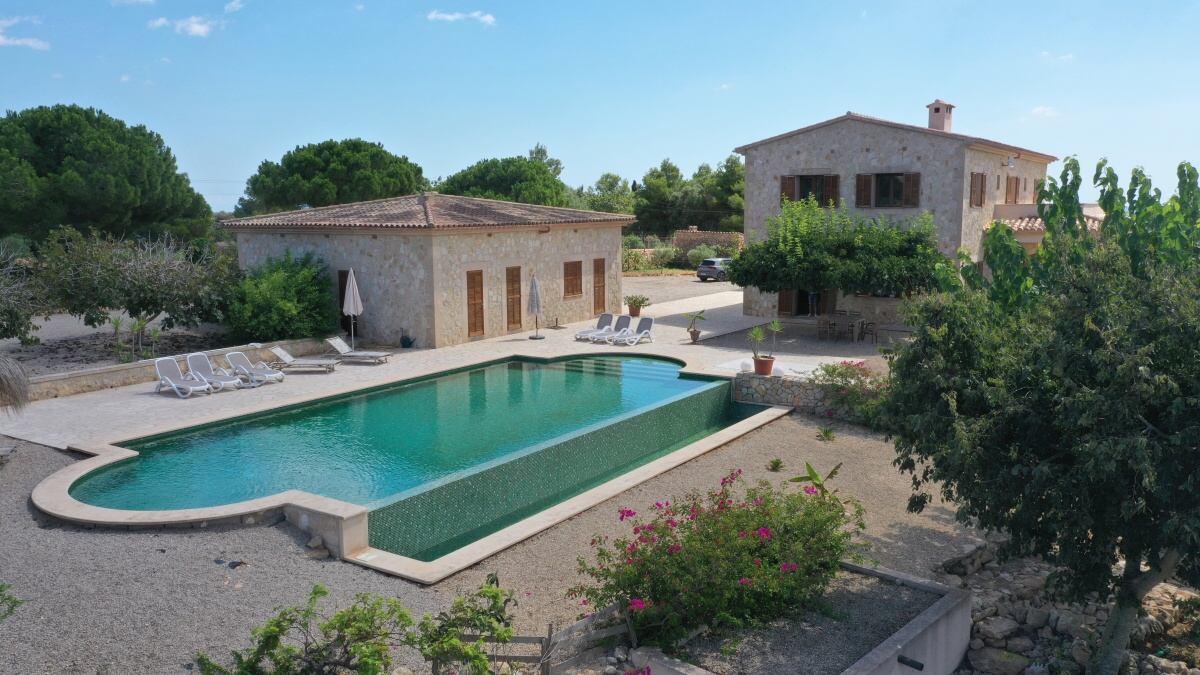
<point x="636" y="303"/>
<point x="764" y="364"/>
<point x="691" y="329"/>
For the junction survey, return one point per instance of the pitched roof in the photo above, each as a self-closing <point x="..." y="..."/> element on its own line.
<point x="1034" y="224"/>
<point x="425" y="210"/>
<point x="897" y="125"/>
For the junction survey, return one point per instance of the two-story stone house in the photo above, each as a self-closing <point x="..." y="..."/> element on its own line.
<point x="883" y="168"/>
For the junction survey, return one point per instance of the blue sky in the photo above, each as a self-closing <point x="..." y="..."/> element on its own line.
<point x="607" y="86"/>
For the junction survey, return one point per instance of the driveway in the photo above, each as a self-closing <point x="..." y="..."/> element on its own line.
<point x="675" y="287"/>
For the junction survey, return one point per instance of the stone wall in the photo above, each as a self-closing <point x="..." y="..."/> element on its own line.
<point x="535" y="251"/>
<point x="686" y="240"/>
<point x="793" y="391"/>
<point x="393" y="271"/>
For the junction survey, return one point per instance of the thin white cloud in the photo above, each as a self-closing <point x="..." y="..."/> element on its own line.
<point x="482" y="17"/>
<point x="1043" y="111"/>
<point x="1052" y="56"/>
<point x="358" y="7"/>
<point x="56" y="76"/>
<point x="124" y="79"/>
<point x="165" y="60"/>
<point x="195" y="26"/>
<point x="724" y="86"/>
<point x="9" y="41"/>
<point x="234" y="6"/>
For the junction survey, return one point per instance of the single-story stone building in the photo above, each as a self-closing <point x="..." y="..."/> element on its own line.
<point x="445" y="269"/>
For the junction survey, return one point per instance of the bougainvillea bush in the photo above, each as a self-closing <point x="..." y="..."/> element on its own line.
<point x="853" y="387"/>
<point x="739" y="555"/>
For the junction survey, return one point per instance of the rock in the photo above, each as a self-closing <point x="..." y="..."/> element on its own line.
<point x="1019" y="645"/>
<point x="611" y="660"/>
<point x="621" y="652"/>
<point x="996" y="628"/>
<point x="997" y="661"/>
<point x="1019" y="613"/>
<point x="1080" y="652"/>
<point x="316" y="542"/>
<point x="1038" y="669"/>
<point x="249" y="520"/>
<point x="317" y="553"/>
<point x="1036" y="617"/>
<point x="998" y="644"/>
<point x="1071" y="624"/>
<point x="611" y="670"/>
<point x="975" y="643"/>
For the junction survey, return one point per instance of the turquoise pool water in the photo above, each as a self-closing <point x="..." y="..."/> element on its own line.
<point x="370" y="447"/>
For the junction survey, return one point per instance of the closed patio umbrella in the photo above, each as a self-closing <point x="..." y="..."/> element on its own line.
<point x="352" y="304"/>
<point x="535" y="305"/>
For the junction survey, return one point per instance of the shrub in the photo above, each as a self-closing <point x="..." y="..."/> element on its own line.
<point x="775" y="465"/>
<point x="736" y="556"/>
<point x="633" y="260"/>
<point x="285" y="298"/>
<point x="8" y="602"/>
<point x="854" y="388"/>
<point x="653" y="241"/>
<point x="664" y="256"/>
<point x="19" y="298"/>
<point x="361" y="638"/>
<point x="638" y="301"/>
<point x="632" y="241"/>
<point x="696" y="255"/>
<point x="726" y="250"/>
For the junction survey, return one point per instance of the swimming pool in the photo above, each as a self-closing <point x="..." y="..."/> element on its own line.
<point x="439" y="461"/>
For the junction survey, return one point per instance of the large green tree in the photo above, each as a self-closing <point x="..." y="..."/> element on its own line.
<point x="1058" y="400"/>
<point x="712" y="199"/>
<point x="610" y="194"/>
<point x="514" y="179"/>
<point x="330" y="172"/>
<point x="68" y="165"/>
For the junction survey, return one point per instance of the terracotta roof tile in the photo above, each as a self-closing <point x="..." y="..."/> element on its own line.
<point x="1035" y="224"/>
<point x="426" y="210"/>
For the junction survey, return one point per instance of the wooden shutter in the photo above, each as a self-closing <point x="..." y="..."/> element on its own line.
<point x="912" y="190"/>
<point x="978" y="185"/>
<point x="787" y="188"/>
<point x="474" y="303"/>
<point x="572" y="278"/>
<point x="512" y="297"/>
<point x="862" y="190"/>
<point x="599" y="285"/>
<point x="1012" y="190"/>
<point x="833" y="193"/>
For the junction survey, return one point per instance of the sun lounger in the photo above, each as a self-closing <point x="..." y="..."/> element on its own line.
<point x="603" y="322"/>
<point x="255" y="373"/>
<point x="286" y="361"/>
<point x="169" y="375"/>
<point x="633" y="337"/>
<point x="219" y="378"/>
<point x="622" y="324"/>
<point x="346" y="354"/>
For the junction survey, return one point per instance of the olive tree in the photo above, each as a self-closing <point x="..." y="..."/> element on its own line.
<point x="1058" y="400"/>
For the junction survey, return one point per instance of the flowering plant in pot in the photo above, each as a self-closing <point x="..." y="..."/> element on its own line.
<point x="763" y="364"/>
<point x="692" y="330"/>
<point x="636" y="303"/>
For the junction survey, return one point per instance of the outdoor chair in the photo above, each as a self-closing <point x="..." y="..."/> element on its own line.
<point x="286" y="361"/>
<point x="255" y="373"/>
<point x="345" y="353"/>
<point x="869" y="328"/>
<point x="642" y="332"/>
<point x="603" y="322"/>
<point x="219" y="378"/>
<point x="621" y="326"/>
<point x="169" y="375"/>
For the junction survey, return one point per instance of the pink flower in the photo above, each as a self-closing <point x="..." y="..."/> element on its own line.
<point x="584" y="602"/>
<point x="631" y="548"/>
<point x="637" y="604"/>
<point x="742" y="535"/>
<point x="672" y="523"/>
<point x="626" y="513"/>
<point x="758" y="562"/>
<point x="745" y="581"/>
<point x="661" y="505"/>
<point x="788" y="567"/>
<point x="765" y="534"/>
<point x="674" y="548"/>
<point x="810" y="489"/>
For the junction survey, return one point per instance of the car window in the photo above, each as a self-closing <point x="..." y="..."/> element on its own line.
<point x="709" y="262"/>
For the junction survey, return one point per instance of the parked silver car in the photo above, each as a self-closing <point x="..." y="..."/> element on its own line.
<point x="712" y="268"/>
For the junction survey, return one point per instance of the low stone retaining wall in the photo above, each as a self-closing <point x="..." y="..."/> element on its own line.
<point x="792" y="391"/>
<point x="107" y="377"/>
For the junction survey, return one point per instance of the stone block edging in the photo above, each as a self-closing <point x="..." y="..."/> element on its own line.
<point x="793" y="391"/>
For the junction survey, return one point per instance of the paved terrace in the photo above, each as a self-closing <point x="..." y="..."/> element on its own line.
<point x="113" y="415"/>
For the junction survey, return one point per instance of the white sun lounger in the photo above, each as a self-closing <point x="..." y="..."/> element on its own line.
<point x="622" y="324"/>
<point x="603" y="322"/>
<point x="286" y="361"/>
<point x="255" y="373"/>
<point x="200" y="367"/>
<point x="633" y="337"/>
<point x="346" y="354"/>
<point x="169" y="375"/>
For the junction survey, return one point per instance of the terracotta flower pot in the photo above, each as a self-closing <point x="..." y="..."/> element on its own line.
<point x="764" y="365"/>
<point x="635" y="311"/>
<point x="695" y="333"/>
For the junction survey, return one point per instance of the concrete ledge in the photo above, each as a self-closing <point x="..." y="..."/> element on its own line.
<point x="120" y="375"/>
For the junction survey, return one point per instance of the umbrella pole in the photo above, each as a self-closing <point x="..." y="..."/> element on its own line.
<point x="353" y="320"/>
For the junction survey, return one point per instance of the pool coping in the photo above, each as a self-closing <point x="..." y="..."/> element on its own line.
<point x="343" y="525"/>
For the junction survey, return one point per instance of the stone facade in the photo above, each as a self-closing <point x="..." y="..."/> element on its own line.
<point x="855" y="144"/>
<point x="413" y="282"/>
<point x="796" y="392"/>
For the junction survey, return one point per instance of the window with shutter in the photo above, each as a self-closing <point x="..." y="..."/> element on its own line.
<point x="978" y="186"/>
<point x="832" y="196"/>
<point x="889" y="190"/>
<point x="474" y="303"/>
<point x="862" y="190"/>
<point x="572" y="279"/>
<point x="912" y="190"/>
<point x="1012" y="190"/>
<point x="787" y="188"/>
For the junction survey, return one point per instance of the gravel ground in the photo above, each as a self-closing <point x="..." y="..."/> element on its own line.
<point x="675" y="287"/>
<point x="863" y="611"/>
<point x="145" y="601"/>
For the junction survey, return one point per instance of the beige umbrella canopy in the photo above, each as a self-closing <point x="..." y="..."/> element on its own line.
<point x="352" y="304"/>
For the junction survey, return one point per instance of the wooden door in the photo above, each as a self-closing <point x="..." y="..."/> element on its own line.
<point x="787" y="302"/>
<point x="599" y="285"/>
<point x="474" y="303"/>
<point x="512" y="297"/>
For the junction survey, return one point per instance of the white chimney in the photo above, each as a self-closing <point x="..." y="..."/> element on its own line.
<point x="940" y="114"/>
